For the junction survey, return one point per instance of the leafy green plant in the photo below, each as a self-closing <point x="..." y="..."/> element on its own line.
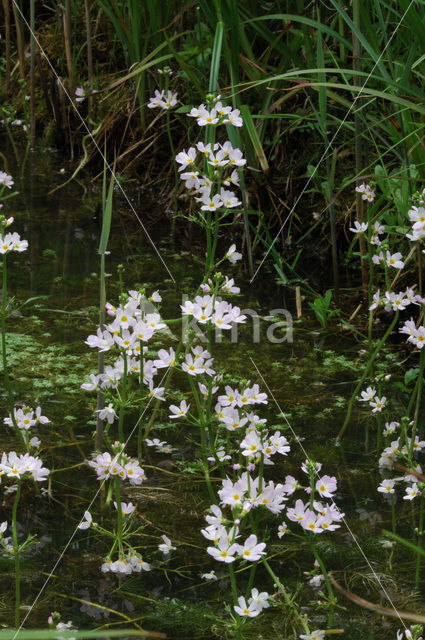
<point x="322" y="310"/>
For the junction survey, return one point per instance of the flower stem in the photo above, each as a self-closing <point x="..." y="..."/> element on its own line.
<point x="140" y="429"/>
<point x="369" y="364"/>
<point x="4" y="357"/>
<point x="123" y="401"/>
<point x="119" y="509"/>
<point x="419" y="543"/>
<point x="16" y="553"/>
<point x="329" y="589"/>
<point x="101" y="355"/>
<point x="418" y="401"/>
<point x="393" y="513"/>
<point x="288" y="601"/>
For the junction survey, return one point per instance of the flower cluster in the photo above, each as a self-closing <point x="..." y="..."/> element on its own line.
<point x="211" y="309"/>
<point x="391" y="260"/>
<point x="414" y="633"/>
<point x="12" y="242"/>
<point x="417" y="218"/>
<point x="395" y="301"/>
<point x="162" y="100"/>
<point x="394" y="451"/>
<point x="23" y="466"/>
<point x="26" y="418"/>
<point x="366" y="191"/>
<point x="416" y="334"/>
<point x="219" y="158"/>
<point x="374" y="401"/>
<point x="401" y="451"/>
<point x="131" y="563"/>
<point x="120" y="465"/>
<point x="218" y="114"/>
<point x="315" y="516"/>
<point x="160" y="447"/>
<point x="255" y="605"/>
<point x="209" y="169"/>
<point x="54" y="623"/>
<point x="128" y="333"/>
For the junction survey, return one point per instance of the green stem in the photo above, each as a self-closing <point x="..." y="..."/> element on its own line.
<point x="101" y="355"/>
<point x="4" y="357"/>
<point x="379" y="430"/>
<point x="203" y="441"/>
<point x="16" y="553"/>
<point x="167" y="382"/>
<point x="419" y="543"/>
<point x="412" y="398"/>
<point x="3" y="335"/>
<point x="119" y="508"/>
<point x="123" y="401"/>
<point x="369" y="364"/>
<point x="329" y="589"/>
<point x="140" y="429"/>
<point x="235" y="599"/>
<point x="208" y="257"/>
<point x="418" y="401"/>
<point x="393" y="521"/>
<point x="288" y="601"/>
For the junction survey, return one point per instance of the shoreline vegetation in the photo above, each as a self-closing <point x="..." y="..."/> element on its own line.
<point x="213" y="410"/>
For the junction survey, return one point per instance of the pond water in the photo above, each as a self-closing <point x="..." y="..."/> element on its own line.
<point x="311" y="377"/>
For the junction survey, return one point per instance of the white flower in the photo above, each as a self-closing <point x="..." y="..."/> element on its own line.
<point x="249" y="610"/>
<point x="387" y="486"/>
<point x="259" y="599"/>
<point x="412" y="492"/>
<point x="80" y="94"/>
<point x="108" y="413"/>
<point x="359" y="227"/>
<point x="166" y="547"/>
<point x="314" y="635"/>
<point x="126" y="508"/>
<point x="387" y="544"/>
<point x="186" y="159"/>
<point x="232" y="255"/>
<point x="394" y="260"/>
<point x="251" y="550"/>
<point x="378" y="404"/>
<point x="179" y="412"/>
<point x="87" y="523"/>
<point x="5" y="179"/>
<point x="316" y="581"/>
<point x="209" y="576"/>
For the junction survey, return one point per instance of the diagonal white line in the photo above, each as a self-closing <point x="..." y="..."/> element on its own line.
<point x="324" y="154"/>
<point x="356" y="542"/>
<point x="51" y="572"/>
<point x="94" y="142"/>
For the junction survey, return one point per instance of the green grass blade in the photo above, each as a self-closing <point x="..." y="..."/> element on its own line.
<point x="107" y="211"/>
<point x="216" y="55"/>
<point x="253" y="135"/>
<point x="405" y="543"/>
<point x="292" y="17"/>
<point x="375" y="55"/>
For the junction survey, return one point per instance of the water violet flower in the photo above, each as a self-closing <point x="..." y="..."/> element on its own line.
<point x="166" y="547"/>
<point x="359" y="227"/>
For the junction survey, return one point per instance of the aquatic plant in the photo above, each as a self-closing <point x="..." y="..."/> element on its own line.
<point x="21" y="466"/>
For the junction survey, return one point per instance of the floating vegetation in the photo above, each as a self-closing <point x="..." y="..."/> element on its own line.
<point x="212" y="320"/>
